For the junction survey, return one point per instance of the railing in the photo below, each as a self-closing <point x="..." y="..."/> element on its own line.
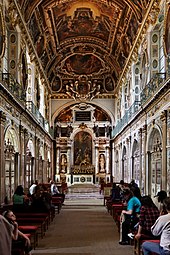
<point x="153" y="86"/>
<point x="14" y="87"/>
<point x="147" y="93"/>
<point x="19" y="94"/>
<point x="38" y="116"/>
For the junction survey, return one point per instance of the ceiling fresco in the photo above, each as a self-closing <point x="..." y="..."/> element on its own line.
<point x="75" y="38"/>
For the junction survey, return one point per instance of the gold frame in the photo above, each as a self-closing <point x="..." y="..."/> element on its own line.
<point x="167" y="31"/>
<point x="2" y="33"/>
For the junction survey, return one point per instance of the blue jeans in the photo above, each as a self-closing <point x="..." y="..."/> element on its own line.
<point x="148" y="247"/>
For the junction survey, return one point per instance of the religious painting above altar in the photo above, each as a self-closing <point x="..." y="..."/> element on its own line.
<point x="82" y="149"/>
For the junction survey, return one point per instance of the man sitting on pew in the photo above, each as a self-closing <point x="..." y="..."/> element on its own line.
<point x="55" y="192"/>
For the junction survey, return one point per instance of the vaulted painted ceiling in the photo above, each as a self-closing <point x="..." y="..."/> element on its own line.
<point x="86" y="41"/>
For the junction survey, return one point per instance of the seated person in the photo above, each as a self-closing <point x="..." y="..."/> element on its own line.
<point x="115" y="193"/>
<point x="160" y="228"/>
<point x="55" y="192"/>
<point x="20" y="199"/>
<point x="129" y="216"/>
<point x="19" y="240"/>
<point x="148" y="215"/>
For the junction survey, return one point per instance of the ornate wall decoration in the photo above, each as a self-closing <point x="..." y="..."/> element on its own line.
<point x="167" y="32"/>
<point x="2" y="33"/>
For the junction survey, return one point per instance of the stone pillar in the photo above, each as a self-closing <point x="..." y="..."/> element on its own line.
<point x="145" y="179"/>
<point x="140" y="157"/>
<point x="97" y="157"/>
<point x="121" y="174"/>
<point x="164" y="149"/>
<point x="25" y="156"/>
<point x="2" y="157"/>
<point x="45" y="163"/>
<point x="37" y="148"/>
<point x="21" y="159"/>
<point x="128" y="159"/>
<point x="107" y="160"/>
<point x="58" y="160"/>
<point x="68" y="160"/>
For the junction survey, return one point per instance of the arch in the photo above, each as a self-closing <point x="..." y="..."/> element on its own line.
<point x="135" y="162"/>
<point x="116" y="171"/>
<point x="70" y="104"/>
<point x="30" y="147"/>
<point x="124" y="165"/>
<point x="12" y="136"/>
<point x="154" y="161"/>
<point x="11" y="149"/>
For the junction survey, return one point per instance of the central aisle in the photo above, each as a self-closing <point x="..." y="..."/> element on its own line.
<point x="82" y="230"/>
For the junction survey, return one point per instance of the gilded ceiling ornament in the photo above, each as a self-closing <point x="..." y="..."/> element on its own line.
<point x="82" y="89"/>
<point x="13" y="15"/>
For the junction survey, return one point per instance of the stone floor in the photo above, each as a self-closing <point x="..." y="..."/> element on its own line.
<point x="83" y="227"/>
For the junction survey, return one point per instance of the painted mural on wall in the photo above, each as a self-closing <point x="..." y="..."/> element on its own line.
<point x="83" y="24"/>
<point x="82" y="149"/>
<point x="83" y="64"/>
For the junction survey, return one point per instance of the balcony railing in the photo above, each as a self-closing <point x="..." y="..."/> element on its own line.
<point x="14" y="87"/>
<point x="38" y="116"/>
<point x="19" y="94"/>
<point x="147" y="93"/>
<point x="152" y="87"/>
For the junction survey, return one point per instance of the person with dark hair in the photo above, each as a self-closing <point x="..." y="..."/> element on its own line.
<point x="160" y="228"/>
<point x="148" y="215"/>
<point x="161" y="195"/>
<point x="129" y="216"/>
<point x="19" y="199"/>
<point x="19" y="239"/>
<point x="115" y="193"/>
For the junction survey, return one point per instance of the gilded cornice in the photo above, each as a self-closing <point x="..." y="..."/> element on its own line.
<point x="150" y="18"/>
<point x="17" y="19"/>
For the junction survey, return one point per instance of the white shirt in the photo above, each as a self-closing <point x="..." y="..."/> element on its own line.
<point x="32" y="189"/>
<point x="54" y="189"/>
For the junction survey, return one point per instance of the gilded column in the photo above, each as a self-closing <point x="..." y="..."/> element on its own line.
<point x="2" y="157"/>
<point x="164" y="149"/>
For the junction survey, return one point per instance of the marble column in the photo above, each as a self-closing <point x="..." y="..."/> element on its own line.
<point x="97" y="158"/>
<point x="107" y="160"/>
<point x="21" y="159"/>
<point x="145" y="179"/>
<point x="68" y="160"/>
<point x="140" y="157"/>
<point x="2" y="157"/>
<point x="164" y="149"/>
<point x="128" y="160"/>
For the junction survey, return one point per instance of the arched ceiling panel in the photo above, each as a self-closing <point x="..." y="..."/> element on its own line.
<point x="91" y="37"/>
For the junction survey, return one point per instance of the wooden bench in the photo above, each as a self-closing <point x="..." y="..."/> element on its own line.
<point x="57" y="201"/>
<point x="33" y="231"/>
